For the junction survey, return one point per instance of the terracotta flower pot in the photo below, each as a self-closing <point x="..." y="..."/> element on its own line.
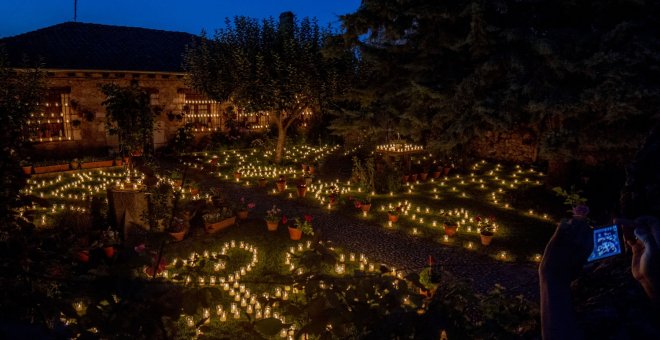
<point x="27" y="170"/>
<point x="312" y="169"/>
<point x="423" y="176"/>
<point x="393" y="218"/>
<point x="486" y="238"/>
<point x="51" y="168"/>
<point x="413" y="177"/>
<point x="272" y="226"/>
<point x="281" y="185"/>
<point x="119" y="162"/>
<point x="242" y="215"/>
<point x="445" y="171"/>
<point x="302" y="190"/>
<point x="262" y="182"/>
<point x="365" y="207"/>
<point x="83" y="256"/>
<point x="194" y="191"/>
<point x="109" y="251"/>
<point x="237" y="175"/>
<point x="295" y="234"/>
<point x="178" y="236"/>
<point x="436" y="174"/>
<point x="212" y="228"/>
<point x="96" y="164"/>
<point x="450" y="230"/>
<point x="405" y="178"/>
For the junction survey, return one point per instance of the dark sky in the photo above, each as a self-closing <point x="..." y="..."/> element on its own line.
<point x="20" y="16"/>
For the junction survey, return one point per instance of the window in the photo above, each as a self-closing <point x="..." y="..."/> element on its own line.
<point x="52" y="121"/>
<point x="201" y="112"/>
<point x="254" y="120"/>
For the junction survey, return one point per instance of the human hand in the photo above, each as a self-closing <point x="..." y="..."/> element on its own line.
<point x="646" y="254"/>
<point x="567" y="251"/>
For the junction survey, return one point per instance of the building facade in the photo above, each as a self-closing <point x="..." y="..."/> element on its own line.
<point x="78" y="58"/>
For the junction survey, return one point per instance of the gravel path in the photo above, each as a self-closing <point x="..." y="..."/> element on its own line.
<point x="391" y="247"/>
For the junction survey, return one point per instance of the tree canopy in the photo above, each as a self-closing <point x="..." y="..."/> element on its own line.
<point x="579" y="74"/>
<point x="268" y="66"/>
<point x="20" y="93"/>
<point x="130" y="116"/>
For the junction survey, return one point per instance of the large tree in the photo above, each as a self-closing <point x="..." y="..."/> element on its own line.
<point x="581" y="75"/>
<point x="265" y="66"/>
<point x="20" y="92"/>
<point x="130" y="116"/>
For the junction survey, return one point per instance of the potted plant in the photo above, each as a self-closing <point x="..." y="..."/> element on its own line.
<point x="243" y="208"/>
<point x="262" y="182"/>
<point x="27" y="167"/>
<point x="237" y="175"/>
<point x="300" y="226"/>
<point x="302" y="189"/>
<point x="334" y="195"/>
<point x="177" y="177"/>
<point x="429" y="277"/>
<point x="178" y="228"/>
<point x="218" y="220"/>
<point x="281" y="184"/>
<point x="109" y="239"/>
<point x="393" y="214"/>
<point x="273" y="218"/>
<point x="423" y="175"/>
<point x="193" y="188"/>
<point x="363" y="203"/>
<point x="437" y="172"/>
<point x="75" y="164"/>
<point x="450" y="223"/>
<point x="486" y="229"/>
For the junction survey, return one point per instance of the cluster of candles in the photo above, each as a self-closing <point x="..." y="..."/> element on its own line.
<point x="399" y="147"/>
<point x="255" y="164"/>
<point x="244" y="300"/>
<point x="72" y="190"/>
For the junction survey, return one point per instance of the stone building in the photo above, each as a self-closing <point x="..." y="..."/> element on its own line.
<point x="79" y="57"/>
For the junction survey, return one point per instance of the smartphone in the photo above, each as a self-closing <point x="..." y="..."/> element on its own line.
<point x="607" y="242"/>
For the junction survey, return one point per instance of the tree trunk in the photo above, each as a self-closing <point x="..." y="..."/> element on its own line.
<point x="281" y="139"/>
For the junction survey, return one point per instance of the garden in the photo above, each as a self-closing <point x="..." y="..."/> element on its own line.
<point x="398" y="180"/>
<point x="229" y="244"/>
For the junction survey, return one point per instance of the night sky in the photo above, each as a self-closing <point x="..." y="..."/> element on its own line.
<point x="20" y="16"/>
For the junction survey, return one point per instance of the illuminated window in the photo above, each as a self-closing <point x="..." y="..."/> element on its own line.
<point x="201" y="112"/>
<point x="52" y="120"/>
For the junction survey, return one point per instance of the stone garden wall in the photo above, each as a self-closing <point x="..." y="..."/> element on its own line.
<point x="512" y="146"/>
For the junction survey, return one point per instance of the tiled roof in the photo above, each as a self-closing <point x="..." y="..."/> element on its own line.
<point x="81" y="46"/>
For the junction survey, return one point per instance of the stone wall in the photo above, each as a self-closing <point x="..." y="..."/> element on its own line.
<point x="519" y="146"/>
<point x="86" y="94"/>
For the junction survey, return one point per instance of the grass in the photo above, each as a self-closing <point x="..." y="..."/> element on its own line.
<point x="524" y="210"/>
<point x="520" y="234"/>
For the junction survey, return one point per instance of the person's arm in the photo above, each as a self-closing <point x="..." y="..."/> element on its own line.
<point x="646" y="256"/>
<point x="562" y="261"/>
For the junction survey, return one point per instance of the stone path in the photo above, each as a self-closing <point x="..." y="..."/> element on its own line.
<point x="391" y="247"/>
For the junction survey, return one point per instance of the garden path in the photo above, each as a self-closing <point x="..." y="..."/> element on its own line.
<point x="395" y="248"/>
